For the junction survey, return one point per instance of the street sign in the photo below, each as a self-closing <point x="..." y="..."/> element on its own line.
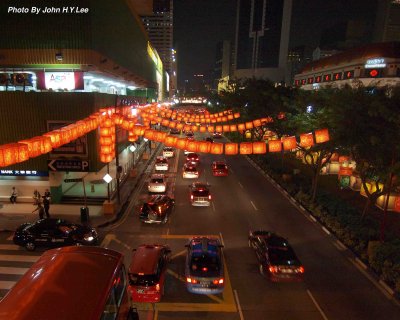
<point x="76" y="165"/>
<point x="73" y="180"/>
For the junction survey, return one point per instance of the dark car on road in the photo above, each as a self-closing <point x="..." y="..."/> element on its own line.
<point x="276" y="257"/>
<point x="204" y="268"/>
<point x="157" y="209"/>
<point x="200" y="195"/>
<point x="52" y="233"/>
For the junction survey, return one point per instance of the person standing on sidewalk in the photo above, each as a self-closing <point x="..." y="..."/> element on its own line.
<point x="46" y="202"/>
<point x="40" y="209"/>
<point x="14" y="194"/>
<point x="36" y="197"/>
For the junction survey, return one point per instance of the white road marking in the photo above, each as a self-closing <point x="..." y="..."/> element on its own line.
<point x="222" y="239"/>
<point x="240" y="185"/>
<point x="317" y="305"/>
<point x="212" y="203"/>
<point x="238" y="305"/>
<point x="6" y="257"/>
<point x="13" y="270"/>
<point x="10" y="247"/>
<point x="326" y="230"/>
<point x="254" y="206"/>
<point x="7" y="284"/>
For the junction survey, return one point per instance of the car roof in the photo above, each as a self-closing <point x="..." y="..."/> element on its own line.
<point x="191" y="154"/>
<point x="145" y="258"/>
<point x="157" y="176"/>
<point x="157" y="198"/>
<point x="200" y="185"/>
<point x="219" y="162"/>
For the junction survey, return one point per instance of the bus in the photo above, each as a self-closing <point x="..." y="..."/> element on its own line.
<point x="69" y="283"/>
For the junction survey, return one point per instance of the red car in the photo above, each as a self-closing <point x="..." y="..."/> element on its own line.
<point x="192" y="158"/>
<point x="219" y="169"/>
<point x="147" y="272"/>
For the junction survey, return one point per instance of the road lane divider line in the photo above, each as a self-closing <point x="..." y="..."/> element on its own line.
<point x="326" y="230"/>
<point x="13" y="270"/>
<point x="19" y="258"/>
<point x="240" y="185"/>
<point x="213" y="206"/>
<point x="7" y="285"/>
<point x="339" y="245"/>
<point x="222" y="239"/>
<point x="254" y="206"/>
<point x="180" y="253"/>
<point x="317" y="305"/>
<point x="238" y="305"/>
<point x="187" y="236"/>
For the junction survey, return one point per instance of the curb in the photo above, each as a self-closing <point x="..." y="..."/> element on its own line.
<point x="309" y="215"/>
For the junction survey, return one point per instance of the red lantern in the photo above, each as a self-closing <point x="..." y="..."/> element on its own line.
<point x="217" y="148"/>
<point x="275" y="145"/>
<point x="289" y="143"/>
<point x="236" y="115"/>
<point x="231" y="148"/>
<point x="204" y="146"/>
<point x="230" y="116"/>
<point x="321" y="136"/>
<point x="249" y="125"/>
<point x="211" y="129"/>
<point x="218" y="128"/>
<point x="106" y="158"/>
<point x="165" y="122"/>
<point x="170" y="141"/>
<point x="181" y="143"/>
<point x="203" y="129"/>
<point x="159" y="136"/>
<point x="23" y="153"/>
<point x="192" y="146"/>
<point x="241" y="127"/>
<point x="259" y="147"/>
<point x="220" y="114"/>
<point x="138" y="130"/>
<point x="45" y="145"/>
<point x="106" y="140"/>
<point x="194" y="128"/>
<point x="149" y="134"/>
<point x="226" y="128"/>
<point x="246" y="148"/>
<point x="306" y="140"/>
<point x="179" y="126"/>
<point x="8" y="154"/>
<point x="342" y="159"/>
<point x="224" y="119"/>
<point x="219" y="119"/>
<point x="257" y="123"/>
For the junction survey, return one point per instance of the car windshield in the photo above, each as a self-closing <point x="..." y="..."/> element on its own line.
<point x="200" y="192"/>
<point x="190" y="169"/>
<point x="143" y="280"/>
<point x="162" y="161"/>
<point x="220" y="166"/>
<point x="157" y="180"/>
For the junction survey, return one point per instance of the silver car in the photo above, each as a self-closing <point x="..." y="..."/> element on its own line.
<point x="157" y="183"/>
<point x="168" y="152"/>
<point x="161" y="164"/>
<point x="200" y="195"/>
<point x="190" y="172"/>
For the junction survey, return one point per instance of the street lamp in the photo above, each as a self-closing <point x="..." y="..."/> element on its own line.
<point x="107" y="178"/>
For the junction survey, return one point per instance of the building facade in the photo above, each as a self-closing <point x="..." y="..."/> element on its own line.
<point x="262" y="39"/>
<point x="158" y="21"/>
<point x="374" y="65"/>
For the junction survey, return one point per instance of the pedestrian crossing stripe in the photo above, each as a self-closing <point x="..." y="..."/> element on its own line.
<point x="19" y="258"/>
<point x="13" y="270"/>
<point x="7" y="284"/>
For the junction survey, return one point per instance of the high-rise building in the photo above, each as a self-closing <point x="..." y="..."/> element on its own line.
<point x="158" y="21"/>
<point x="262" y="39"/>
<point x="223" y="68"/>
<point x="387" y="23"/>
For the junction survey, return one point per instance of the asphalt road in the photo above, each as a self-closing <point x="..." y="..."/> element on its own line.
<point x="334" y="287"/>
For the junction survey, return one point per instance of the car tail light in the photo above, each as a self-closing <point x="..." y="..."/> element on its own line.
<point x="191" y="197"/>
<point x="190" y="280"/>
<point x="301" y="269"/>
<point x="158" y="287"/>
<point x="218" y="281"/>
<point x="209" y="197"/>
<point x="273" y="269"/>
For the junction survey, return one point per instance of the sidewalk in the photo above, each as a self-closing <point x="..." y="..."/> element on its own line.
<point x="13" y="215"/>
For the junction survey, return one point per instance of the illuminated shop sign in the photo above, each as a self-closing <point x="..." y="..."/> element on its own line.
<point x="327" y="77"/>
<point x="349" y="74"/>
<point x="375" y="63"/>
<point x="310" y="80"/>
<point x="59" y="80"/>
<point x="23" y="173"/>
<point x="337" y="76"/>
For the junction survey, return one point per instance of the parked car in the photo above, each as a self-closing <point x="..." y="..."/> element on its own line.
<point x="219" y="169"/>
<point x="157" y="183"/>
<point x="190" y="171"/>
<point x="168" y="152"/>
<point x="157" y="209"/>
<point x="192" y="158"/>
<point x="276" y="257"/>
<point x="52" y="232"/>
<point x="204" y="267"/>
<point x="200" y="195"/>
<point x="161" y="164"/>
<point x="217" y="135"/>
<point x="146" y="272"/>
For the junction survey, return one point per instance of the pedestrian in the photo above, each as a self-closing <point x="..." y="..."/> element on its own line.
<point x="46" y="202"/>
<point x="14" y="194"/>
<point x="40" y="209"/>
<point x="36" y="197"/>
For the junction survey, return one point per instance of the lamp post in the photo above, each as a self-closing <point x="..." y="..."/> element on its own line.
<point x="118" y="167"/>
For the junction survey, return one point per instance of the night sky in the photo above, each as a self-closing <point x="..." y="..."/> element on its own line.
<point x="200" y="24"/>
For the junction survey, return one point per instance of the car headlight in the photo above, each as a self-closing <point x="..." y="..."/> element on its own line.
<point x="88" y="237"/>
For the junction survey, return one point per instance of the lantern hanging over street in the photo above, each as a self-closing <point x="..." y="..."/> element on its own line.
<point x="259" y="147"/>
<point x="246" y="148"/>
<point x="289" y="143"/>
<point x="204" y="146"/>
<point x="306" y="140"/>
<point x="233" y="128"/>
<point x="231" y="148"/>
<point x="321" y="136"/>
<point x="217" y="148"/>
<point x="274" y="145"/>
<point x="192" y="146"/>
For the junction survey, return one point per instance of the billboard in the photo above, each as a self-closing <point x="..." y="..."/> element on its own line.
<point x="59" y="80"/>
